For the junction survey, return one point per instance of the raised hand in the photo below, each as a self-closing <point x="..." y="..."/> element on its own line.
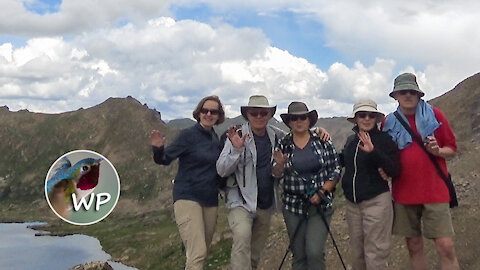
<point x="323" y="134"/>
<point x="279" y="157"/>
<point x="366" y="144"/>
<point x="157" y="139"/>
<point x="432" y="146"/>
<point x="235" y="139"/>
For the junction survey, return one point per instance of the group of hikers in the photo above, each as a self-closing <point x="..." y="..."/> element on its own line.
<point x="399" y="157"/>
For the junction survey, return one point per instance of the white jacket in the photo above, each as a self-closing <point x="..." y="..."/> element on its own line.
<point x="232" y="160"/>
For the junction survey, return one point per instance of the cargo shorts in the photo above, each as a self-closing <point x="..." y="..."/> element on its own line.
<point x="435" y="218"/>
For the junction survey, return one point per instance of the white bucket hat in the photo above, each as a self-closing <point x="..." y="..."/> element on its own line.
<point x="257" y="101"/>
<point x="366" y="105"/>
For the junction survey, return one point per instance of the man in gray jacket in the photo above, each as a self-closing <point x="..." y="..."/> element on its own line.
<point x="248" y="153"/>
<point x="253" y="194"/>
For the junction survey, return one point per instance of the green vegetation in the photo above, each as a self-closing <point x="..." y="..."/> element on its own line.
<point x="146" y="241"/>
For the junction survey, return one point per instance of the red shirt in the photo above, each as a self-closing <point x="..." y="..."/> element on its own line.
<point x="419" y="181"/>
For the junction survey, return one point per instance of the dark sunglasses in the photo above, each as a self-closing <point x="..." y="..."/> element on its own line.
<point x="302" y="117"/>
<point x="411" y="92"/>
<point x="256" y="113"/>
<point x="211" y="111"/>
<point x="370" y="115"/>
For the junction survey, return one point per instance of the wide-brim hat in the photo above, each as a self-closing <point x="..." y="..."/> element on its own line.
<point x="406" y="81"/>
<point x="257" y="101"/>
<point x="366" y="105"/>
<point x="299" y="108"/>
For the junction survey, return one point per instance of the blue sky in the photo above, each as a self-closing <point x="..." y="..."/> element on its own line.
<point x="58" y="56"/>
<point x="42" y="6"/>
<point x="303" y="37"/>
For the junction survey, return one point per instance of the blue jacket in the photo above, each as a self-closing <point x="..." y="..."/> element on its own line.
<point x="197" y="151"/>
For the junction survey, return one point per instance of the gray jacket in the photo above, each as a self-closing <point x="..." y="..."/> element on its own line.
<point x="244" y="160"/>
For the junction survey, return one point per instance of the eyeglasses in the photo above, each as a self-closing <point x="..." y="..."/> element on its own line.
<point x="411" y="92"/>
<point x="302" y="117"/>
<point x="211" y="111"/>
<point x="256" y="113"/>
<point x="370" y="115"/>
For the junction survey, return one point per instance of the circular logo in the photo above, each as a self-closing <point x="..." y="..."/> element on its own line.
<point x="82" y="187"/>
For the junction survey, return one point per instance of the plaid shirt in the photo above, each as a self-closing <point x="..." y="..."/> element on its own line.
<point x="297" y="189"/>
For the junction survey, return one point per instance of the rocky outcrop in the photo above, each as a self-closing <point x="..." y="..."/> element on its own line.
<point x="93" y="266"/>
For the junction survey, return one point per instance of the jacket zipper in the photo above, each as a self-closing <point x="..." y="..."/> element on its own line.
<point x="355" y="172"/>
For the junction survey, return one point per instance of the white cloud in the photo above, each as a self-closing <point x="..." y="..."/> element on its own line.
<point x="75" y="16"/>
<point x="171" y="65"/>
<point x="90" y="50"/>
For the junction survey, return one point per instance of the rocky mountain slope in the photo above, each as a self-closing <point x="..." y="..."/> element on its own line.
<point x="119" y="128"/>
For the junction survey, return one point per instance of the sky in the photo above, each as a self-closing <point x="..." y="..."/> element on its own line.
<point x="58" y="56"/>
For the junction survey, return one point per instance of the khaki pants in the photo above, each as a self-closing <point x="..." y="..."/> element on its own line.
<point x="196" y="225"/>
<point x="370" y="228"/>
<point x="250" y="232"/>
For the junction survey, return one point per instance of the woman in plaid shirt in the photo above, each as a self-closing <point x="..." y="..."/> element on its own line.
<point x="308" y="167"/>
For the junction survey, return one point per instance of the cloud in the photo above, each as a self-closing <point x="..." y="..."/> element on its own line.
<point x="74" y="16"/>
<point x="86" y="51"/>
<point x="170" y="65"/>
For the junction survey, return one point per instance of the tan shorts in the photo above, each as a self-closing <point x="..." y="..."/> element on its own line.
<point x="435" y="217"/>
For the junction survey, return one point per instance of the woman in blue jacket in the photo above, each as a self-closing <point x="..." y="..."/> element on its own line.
<point x="195" y="189"/>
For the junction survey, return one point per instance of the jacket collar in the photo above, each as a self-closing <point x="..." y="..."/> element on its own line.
<point x="374" y="130"/>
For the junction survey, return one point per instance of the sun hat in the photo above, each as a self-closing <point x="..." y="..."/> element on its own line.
<point x="366" y="105"/>
<point x="406" y="81"/>
<point x="299" y="108"/>
<point x="257" y="101"/>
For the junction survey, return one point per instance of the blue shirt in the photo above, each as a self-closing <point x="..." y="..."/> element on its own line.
<point x="295" y="193"/>
<point x="264" y="171"/>
<point x="197" y="150"/>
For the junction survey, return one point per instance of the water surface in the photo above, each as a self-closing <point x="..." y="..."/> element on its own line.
<point x="20" y="249"/>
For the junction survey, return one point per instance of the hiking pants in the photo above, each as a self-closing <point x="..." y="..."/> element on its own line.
<point x="370" y="228"/>
<point x="308" y="243"/>
<point x="196" y="225"/>
<point x="250" y="232"/>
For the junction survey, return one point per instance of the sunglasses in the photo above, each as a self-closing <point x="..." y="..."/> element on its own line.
<point x="411" y="92"/>
<point x="302" y="117"/>
<point x="211" y="111"/>
<point x="256" y="113"/>
<point x="370" y="115"/>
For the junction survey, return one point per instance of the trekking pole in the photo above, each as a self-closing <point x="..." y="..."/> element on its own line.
<point x="293" y="238"/>
<point x="325" y="199"/>
<point x="290" y="245"/>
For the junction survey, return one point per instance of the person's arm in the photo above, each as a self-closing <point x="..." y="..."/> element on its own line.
<point x="434" y="148"/>
<point x="386" y="157"/>
<point x="333" y="168"/>
<point x="322" y="134"/>
<point x="280" y="159"/>
<point x="229" y="158"/>
<point x="443" y="144"/>
<point x="165" y="155"/>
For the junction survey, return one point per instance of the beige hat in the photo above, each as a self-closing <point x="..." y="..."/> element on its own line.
<point x="299" y="108"/>
<point x="406" y="81"/>
<point x="366" y="105"/>
<point x="257" y="101"/>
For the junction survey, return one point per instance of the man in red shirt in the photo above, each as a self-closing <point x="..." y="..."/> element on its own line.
<point x="420" y="194"/>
